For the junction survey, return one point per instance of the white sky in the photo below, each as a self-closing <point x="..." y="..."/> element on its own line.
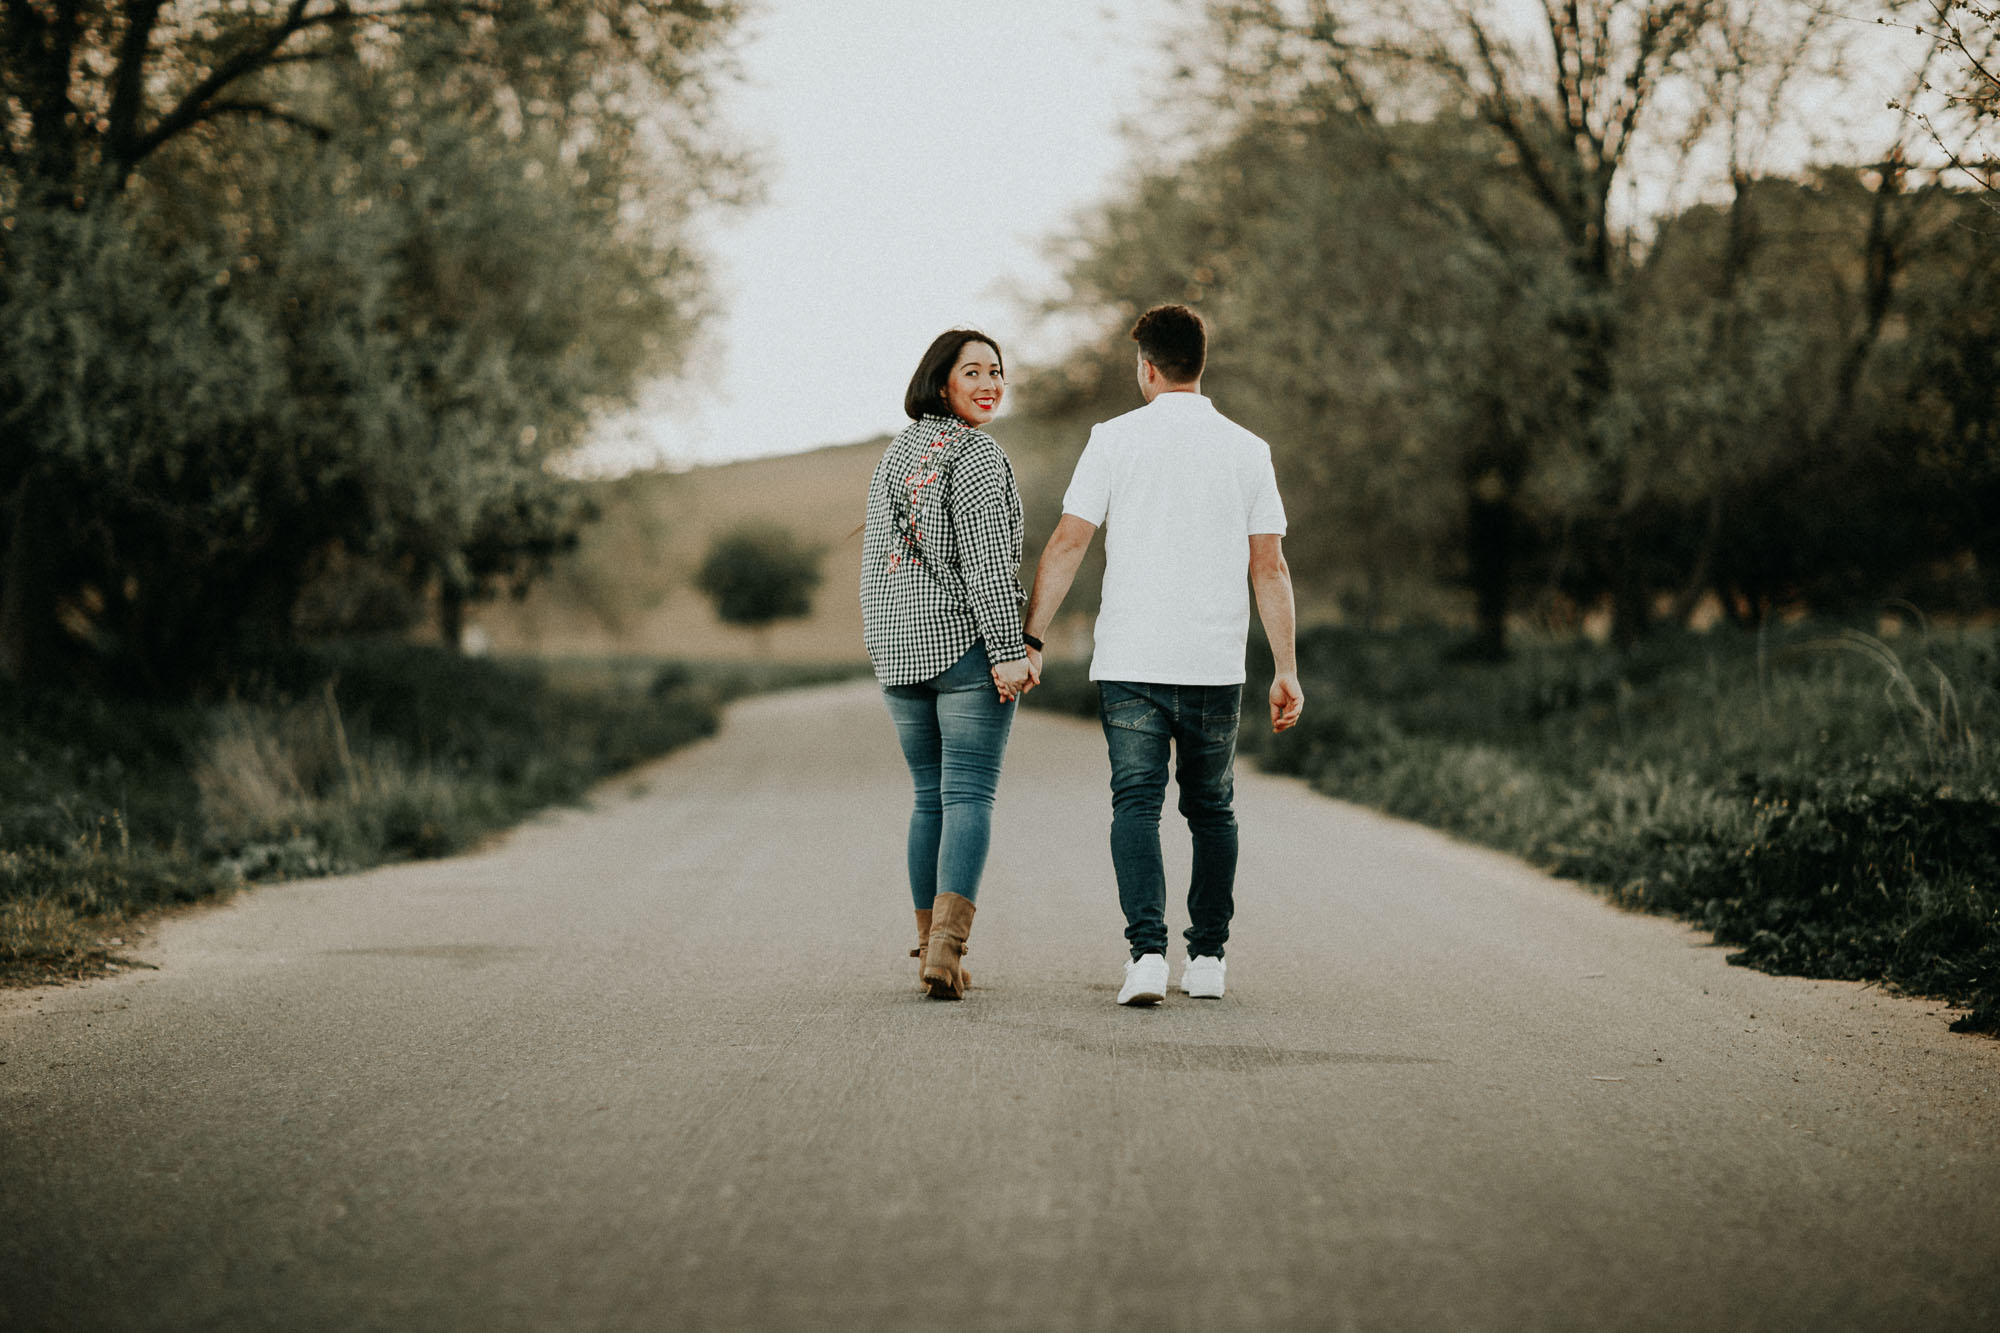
<point x="920" y="153"/>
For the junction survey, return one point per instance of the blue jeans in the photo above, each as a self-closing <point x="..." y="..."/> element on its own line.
<point x="1199" y="721"/>
<point x="954" y="733"/>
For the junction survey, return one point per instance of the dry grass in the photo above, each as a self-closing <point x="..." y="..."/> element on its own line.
<point x="41" y="939"/>
<point x="264" y="769"/>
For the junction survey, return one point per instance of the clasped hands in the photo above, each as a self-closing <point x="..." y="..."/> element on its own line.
<point x="1016" y="678"/>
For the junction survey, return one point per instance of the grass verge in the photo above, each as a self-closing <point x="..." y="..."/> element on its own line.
<point x="1826" y="801"/>
<point x="327" y="760"/>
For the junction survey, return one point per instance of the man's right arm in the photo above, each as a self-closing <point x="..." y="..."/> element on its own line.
<point x="1054" y="572"/>
<point x="1271" y="580"/>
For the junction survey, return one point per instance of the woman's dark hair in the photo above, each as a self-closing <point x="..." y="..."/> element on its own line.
<point x="926" y="391"/>
<point x="1175" y="340"/>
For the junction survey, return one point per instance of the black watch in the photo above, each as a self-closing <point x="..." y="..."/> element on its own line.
<point x="1032" y="642"/>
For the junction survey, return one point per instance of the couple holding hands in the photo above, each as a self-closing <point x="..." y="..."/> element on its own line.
<point x="1193" y="525"/>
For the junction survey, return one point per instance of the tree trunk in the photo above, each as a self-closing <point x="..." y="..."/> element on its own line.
<point x="451" y="615"/>
<point x="1884" y="254"/>
<point x="28" y="646"/>
<point x="1631" y="617"/>
<point x="1489" y="549"/>
<point x="1691" y="592"/>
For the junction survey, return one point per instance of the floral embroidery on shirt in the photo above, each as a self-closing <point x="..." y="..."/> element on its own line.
<point x="942" y="544"/>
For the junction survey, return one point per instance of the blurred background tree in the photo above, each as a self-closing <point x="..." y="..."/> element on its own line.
<point x="759" y="573"/>
<point x="279" y="280"/>
<point x="1534" y="323"/>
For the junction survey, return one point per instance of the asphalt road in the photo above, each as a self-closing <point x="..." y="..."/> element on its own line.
<point x="662" y="1064"/>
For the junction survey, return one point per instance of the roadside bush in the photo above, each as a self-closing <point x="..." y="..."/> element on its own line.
<point x="1823" y="802"/>
<point x="327" y="760"/>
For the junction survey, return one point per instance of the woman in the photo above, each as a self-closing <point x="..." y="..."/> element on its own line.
<point x="941" y="614"/>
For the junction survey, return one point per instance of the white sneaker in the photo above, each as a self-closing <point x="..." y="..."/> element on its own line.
<point x="1202" y="977"/>
<point x="1145" y="980"/>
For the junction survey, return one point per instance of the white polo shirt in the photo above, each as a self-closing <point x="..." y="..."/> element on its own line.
<point x="1179" y="489"/>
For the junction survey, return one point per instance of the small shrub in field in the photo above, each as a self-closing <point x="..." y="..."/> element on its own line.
<point x="758" y="574"/>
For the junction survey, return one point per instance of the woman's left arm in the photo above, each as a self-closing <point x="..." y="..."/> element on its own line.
<point x="985" y="519"/>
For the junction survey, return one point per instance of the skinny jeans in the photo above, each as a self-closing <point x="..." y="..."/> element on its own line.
<point x="954" y="729"/>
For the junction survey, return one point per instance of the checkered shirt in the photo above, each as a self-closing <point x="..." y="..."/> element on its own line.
<point x="940" y="552"/>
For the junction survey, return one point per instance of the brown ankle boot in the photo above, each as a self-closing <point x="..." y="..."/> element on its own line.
<point x="923" y="945"/>
<point x="923" y="942"/>
<point x="944" y="973"/>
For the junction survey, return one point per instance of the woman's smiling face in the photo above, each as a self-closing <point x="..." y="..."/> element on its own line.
<point x="976" y="384"/>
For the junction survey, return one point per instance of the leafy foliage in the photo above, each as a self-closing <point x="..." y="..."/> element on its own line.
<point x="323" y="286"/>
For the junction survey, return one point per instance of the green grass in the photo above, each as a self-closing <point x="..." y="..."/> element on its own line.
<point x="324" y="761"/>
<point x="1826" y="801"/>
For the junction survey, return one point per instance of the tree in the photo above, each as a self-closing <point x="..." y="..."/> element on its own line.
<point x="276" y="279"/>
<point x="1787" y="473"/>
<point x="1377" y="346"/>
<point x="93" y="90"/>
<point x="1571" y="104"/>
<point x="1397" y="311"/>
<point x="758" y="574"/>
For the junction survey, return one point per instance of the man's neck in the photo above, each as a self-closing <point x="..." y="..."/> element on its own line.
<point x="1193" y="387"/>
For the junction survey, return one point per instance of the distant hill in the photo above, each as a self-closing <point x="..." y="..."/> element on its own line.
<point x="629" y="587"/>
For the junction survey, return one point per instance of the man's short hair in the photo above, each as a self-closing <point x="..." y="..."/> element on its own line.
<point x="1175" y="340"/>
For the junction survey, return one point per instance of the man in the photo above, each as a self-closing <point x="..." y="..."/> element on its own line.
<point x="1190" y="505"/>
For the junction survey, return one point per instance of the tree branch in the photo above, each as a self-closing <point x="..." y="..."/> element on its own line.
<point x="1500" y="107"/>
<point x="128" y="79"/>
<point x="1600" y="44"/>
<point x="46" y="44"/>
<point x="1452" y="213"/>
<point x="1569" y="75"/>
<point x="187" y="111"/>
<point x="1663" y="34"/>
<point x="266" y="51"/>
<point x="1989" y="77"/>
<point x="264" y="111"/>
<point x="297" y="58"/>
